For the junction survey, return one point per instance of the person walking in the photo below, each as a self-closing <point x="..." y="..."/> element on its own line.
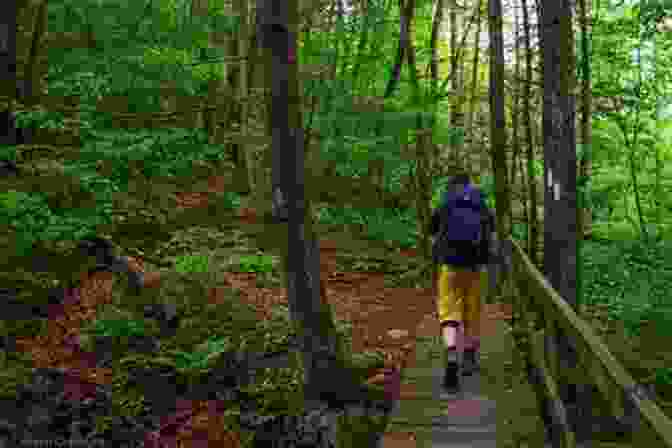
<point x="462" y="226"/>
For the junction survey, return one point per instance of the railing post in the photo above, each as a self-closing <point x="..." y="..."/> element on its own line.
<point x="574" y="392"/>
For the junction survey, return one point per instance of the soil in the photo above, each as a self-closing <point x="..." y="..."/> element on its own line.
<point x="384" y="318"/>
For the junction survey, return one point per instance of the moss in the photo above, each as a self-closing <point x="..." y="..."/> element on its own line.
<point x="360" y="431"/>
<point x="15" y="370"/>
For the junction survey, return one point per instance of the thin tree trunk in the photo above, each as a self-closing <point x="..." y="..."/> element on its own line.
<point x="456" y="116"/>
<point x="525" y="197"/>
<point x="659" y="162"/>
<point x="635" y="145"/>
<point x="8" y="62"/>
<point x="32" y="70"/>
<point x="239" y="85"/>
<point x="475" y="93"/>
<point x="422" y="176"/>
<point x="437" y="23"/>
<point x="405" y="11"/>
<point x="362" y="44"/>
<point x="515" y="112"/>
<point x="434" y="58"/>
<point x="498" y="119"/>
<point x="585" y="166"/>
<point x="533" y="230"/>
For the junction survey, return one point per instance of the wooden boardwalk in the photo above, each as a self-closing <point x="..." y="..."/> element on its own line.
<point x="426" y="417"/>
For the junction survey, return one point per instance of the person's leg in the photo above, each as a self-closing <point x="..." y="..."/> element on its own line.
<point x="450" y="307"/>
<point x="472" y="321"/>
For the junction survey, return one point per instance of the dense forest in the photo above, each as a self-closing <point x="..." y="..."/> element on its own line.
<point x="124" y="109"/>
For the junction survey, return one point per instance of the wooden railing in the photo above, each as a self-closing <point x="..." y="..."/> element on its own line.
<point x="544" y="325"/>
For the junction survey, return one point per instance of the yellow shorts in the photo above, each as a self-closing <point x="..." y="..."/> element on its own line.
<point x="460" y="297"/>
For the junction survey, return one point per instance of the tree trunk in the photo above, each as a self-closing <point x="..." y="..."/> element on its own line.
<point x="362" y="45"/>
<point x="475" y="93"/>
<point x="657" y="191"/>
<point x="404" y="41"/>
<point x="559" y="149"/>
<point x="422" y="175"/>
<point x="8" y="60"/>
<point x="533" y="229"/>
<point x="561" y="241"/>
<point x="32" y="70"/>
<point x="423" y="156"/>
<point x="515" y="112"/>
<point x="434" y="36"/>
<point x="498" y="120"/>
<point x="585" y="164"/>
<point x="457" y="115"/>
<point x="217" y="39"/>
<point x="325" y="375"/>
<point x="238" y="79"/>
<point x="437" y="22"/>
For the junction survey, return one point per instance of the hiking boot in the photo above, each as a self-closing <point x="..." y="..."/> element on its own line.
<point x="470" y="363"/>
<point x="451" y="379"/>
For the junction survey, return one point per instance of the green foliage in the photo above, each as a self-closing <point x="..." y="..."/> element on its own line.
<point x="203" y="354"/>
<point x="633" y="278"/>
<point x="158" y="152"/>
<point x="664" y="376"/>
<point x="488" y="189"/>
<point x="230" y="200"/>
<point x="31" y="219"/>
<point x="119" y="327"/>
<point x="256" y="263"/>
<point x="437" y="191"/>
<point x="395" y="226"/>
<point x="192" y="263"/>
<point x="519" y="231"/>
<point x="42" y="119"/>
<point x="627" y="141"/>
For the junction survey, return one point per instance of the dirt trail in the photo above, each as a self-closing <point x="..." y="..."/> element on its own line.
<point x="388" y="319"/>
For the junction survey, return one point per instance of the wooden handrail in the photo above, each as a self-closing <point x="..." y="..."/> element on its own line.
<point x="596" y="363"/>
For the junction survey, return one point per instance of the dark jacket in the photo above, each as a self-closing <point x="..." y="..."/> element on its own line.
<point x="463" y="257"/>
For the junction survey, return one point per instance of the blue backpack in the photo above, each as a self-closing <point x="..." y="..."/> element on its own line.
<point x="462" y="220"/>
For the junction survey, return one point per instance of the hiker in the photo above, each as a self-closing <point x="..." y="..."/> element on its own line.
<point x="462" y="226"/>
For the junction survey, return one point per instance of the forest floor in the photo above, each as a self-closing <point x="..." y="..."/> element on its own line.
<point x="384" y="319"/>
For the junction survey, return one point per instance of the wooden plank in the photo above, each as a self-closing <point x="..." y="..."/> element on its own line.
<point x="620" y="383"/>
